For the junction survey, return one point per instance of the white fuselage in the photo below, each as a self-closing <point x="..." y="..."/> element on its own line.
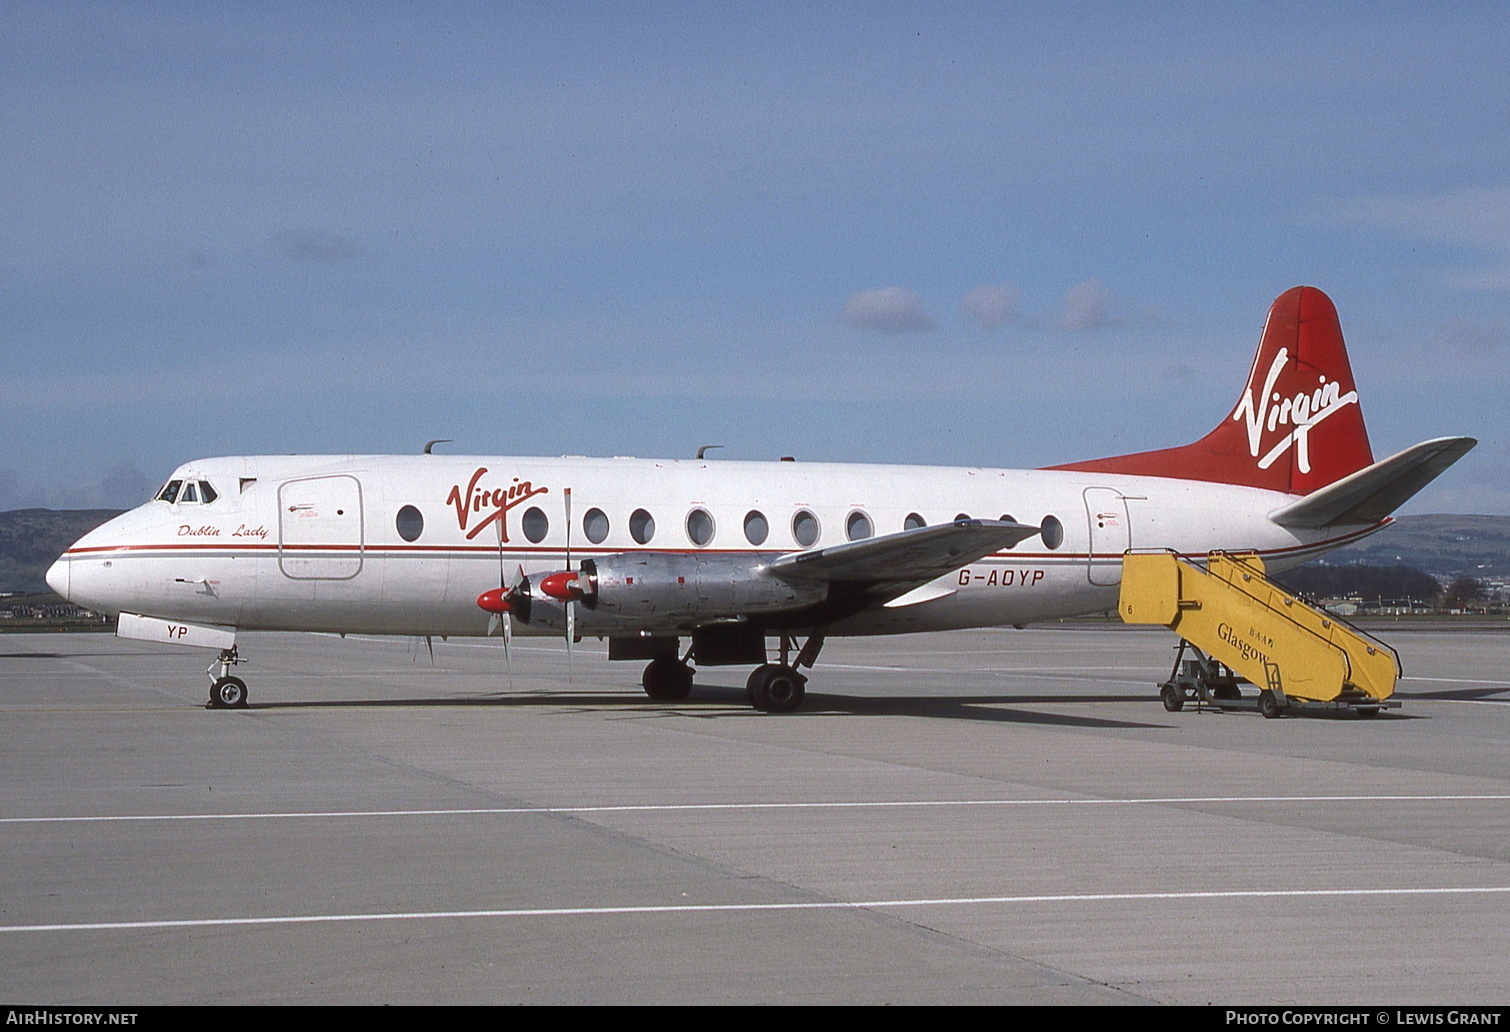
<point x="332" y="543"/>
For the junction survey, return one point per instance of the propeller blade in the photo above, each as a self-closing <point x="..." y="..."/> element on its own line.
<point x="506" y="618"/>
<point x="571" y="632"/>
<point x="571" y="608"/>
<point x="508" y="632"/>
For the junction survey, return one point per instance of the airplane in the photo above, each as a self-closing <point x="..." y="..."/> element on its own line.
<point x="728" y="555"/>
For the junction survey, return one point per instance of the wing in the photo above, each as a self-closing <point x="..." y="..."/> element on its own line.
<point x="906" y="558"/>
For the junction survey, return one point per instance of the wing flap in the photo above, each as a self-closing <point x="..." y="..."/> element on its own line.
<point x="911" y="556"/>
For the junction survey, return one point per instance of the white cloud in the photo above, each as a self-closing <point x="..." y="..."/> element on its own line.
<point x="1089" y="306"/>
<point x="1472" y="337"/>
<point x="313" y="245"/>
<point x="1492" y="278"/>
<point x="990" y="306"/>
<point x="1476" y="217"/>
<point x="890" y="310"/>
<point x="1473" y="215"/>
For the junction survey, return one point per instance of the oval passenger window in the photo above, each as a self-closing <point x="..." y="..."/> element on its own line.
<point x="410" y="523"/>
<point x="804" y="528"/>
<point x="756" y="527"/>
<point x="641" y="526"/>
<point x="595" y="525"/>
<point x="536" y="525"/>
<point x="858" y="526"/>
<point x="1052" y="531"/>
<point x="699" y="526"/>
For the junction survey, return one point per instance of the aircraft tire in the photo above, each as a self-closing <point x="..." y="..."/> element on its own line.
<point x="228" y="693"/>
<point x="1173" y="697"/>
<point x="753" y="682"/>
<point x="1268" y="705"/>
<point x="773" y="688"/>
<point x="667" y="680"/>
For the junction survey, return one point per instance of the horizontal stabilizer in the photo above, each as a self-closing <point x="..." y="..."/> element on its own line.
<point x="911" y="556"/>
<point x="1374" y="492"/>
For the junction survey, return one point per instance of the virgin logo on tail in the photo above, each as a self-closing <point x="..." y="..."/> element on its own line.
<point x="1302" y="411"/>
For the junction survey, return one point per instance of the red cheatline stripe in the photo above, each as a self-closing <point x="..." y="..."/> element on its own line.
<point x="168" y="549"/>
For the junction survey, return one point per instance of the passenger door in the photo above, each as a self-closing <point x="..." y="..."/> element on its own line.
<point x="320" y="528"/>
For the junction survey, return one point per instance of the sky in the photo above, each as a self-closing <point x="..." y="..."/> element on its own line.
<point x="992" y="234"/>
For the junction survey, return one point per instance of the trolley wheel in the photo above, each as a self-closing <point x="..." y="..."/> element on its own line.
<point x="1268" y="705"/>
<point x="1174" y="698"/>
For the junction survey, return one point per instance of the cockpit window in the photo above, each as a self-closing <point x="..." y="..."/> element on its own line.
<point x="179" y="491"/>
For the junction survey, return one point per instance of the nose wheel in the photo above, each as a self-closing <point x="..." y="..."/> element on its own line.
<point x="226" y="692"/>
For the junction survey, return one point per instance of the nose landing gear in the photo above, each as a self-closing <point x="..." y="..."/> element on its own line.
<point x="226" y="692"/>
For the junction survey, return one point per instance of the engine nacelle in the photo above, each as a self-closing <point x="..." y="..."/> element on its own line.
<point x="662" y="584"/>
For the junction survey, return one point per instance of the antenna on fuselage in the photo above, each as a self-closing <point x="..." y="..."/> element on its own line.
<point x="705" y="448"/>
<point x="432" y="444"/>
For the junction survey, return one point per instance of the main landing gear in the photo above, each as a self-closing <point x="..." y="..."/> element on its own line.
<point x="771" y="688"/>
<point x="226" y="692"/>
<point x="775" y="688"/>
<point x="667" y="679"/>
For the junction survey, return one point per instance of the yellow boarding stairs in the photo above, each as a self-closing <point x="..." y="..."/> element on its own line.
<point x="1243" y="628"/>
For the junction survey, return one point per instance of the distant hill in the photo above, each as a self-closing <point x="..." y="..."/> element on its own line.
<point x="1318" y="580"/>
<point x="1441" y="544"/>
<point x="32" y="539"/>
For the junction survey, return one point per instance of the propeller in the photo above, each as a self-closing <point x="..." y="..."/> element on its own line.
<point x="571" y="605"/>
<point x="507" y="599"/>
<point x="501" y="603"/>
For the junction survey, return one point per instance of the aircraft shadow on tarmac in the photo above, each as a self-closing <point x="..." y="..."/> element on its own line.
<point x="1495" y="694"/>
<point x="713" y="702"/>
<point x="719" y="701"/>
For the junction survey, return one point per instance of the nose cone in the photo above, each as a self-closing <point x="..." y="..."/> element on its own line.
<point x="494" y="601"/>
<point x="57" y="577"/>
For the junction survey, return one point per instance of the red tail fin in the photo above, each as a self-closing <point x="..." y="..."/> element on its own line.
<point x="1297" y="426"/>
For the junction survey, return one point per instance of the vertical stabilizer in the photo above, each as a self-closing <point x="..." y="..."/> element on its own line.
<point x="1296" y="427"/>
